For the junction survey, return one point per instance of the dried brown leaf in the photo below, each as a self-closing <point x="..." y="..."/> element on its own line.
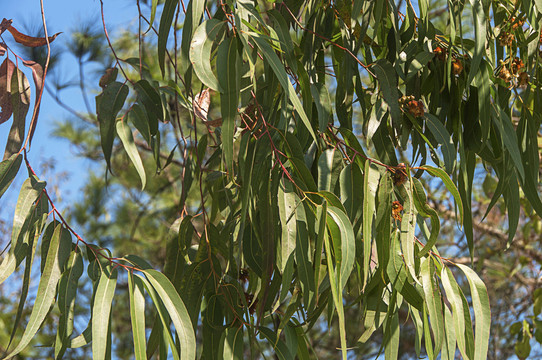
<point x="3" y="48"/>
<point x="20" y="100"/>
<point x="201" y="104"/>
<point x="6" y="71"/>
<point x="30" y="41"/>
<point x="37" y="74"/>
<point x="5" y="25"/>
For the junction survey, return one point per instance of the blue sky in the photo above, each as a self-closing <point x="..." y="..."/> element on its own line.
<point x="61" y="16"/>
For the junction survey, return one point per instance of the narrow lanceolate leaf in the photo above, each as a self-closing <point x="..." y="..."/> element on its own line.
<point x="480" y="38"/>
<point x="282" y="76"/>
<point x="433" y="302"/>
<point x="347" y="244"/>
<point x="482" y="314"/>
<point x="449" y="185"/>
<point x="67" y="290"/>
<point x="229" y="97"/>
<point x="287" y="202"/>
<point x="163" y="30"/>
<point x="58" y="253"/>
<point x="176" y="310"/>
<point x="127" y="139"/>
<point x="8" y="170"/>
<point x="460" y="314"/>
<point x="334" y="282"/>
<point x="231" y="348"/>
<point x="387" y="78"/>
<point x="371" y="178"/>
<point x="279" y="347"/>
<point x="30" y="192"/>
<point x="108" y="105"/>
<point x="137" y="315"/>
<point x="151" y="100"/>
<point x="200" y="52"/>
<point x="444" y="140"/>
<point x="329" y="167"/>
<point x="101" y="314"/>
<point x="408" y="230"/>
<point x="420" y="200"/>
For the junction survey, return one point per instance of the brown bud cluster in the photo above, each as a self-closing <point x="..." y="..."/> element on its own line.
<point x="396" y="209"/>
<point x="506" y="39"/>
<point x="414" y="107"/>
<point x="440" y="53"/>
<point x="457" y="67"/>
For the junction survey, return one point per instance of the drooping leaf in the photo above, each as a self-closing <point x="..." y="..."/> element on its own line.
<point x="58" y="253"/>
<point x="8" y="170"/>
<point x="176" y="310"/>
<point x="137" y="315"/>
<point x="127" y="139"/>
<point x="200" y="53"/>
<point x="101" y="314"/>
<point x="229" y="97"/>
<point x="108" y="105"/>
<point x="20" y="102"/>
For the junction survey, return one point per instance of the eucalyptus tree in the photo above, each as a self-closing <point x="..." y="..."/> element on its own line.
<point x="280" y="151"/>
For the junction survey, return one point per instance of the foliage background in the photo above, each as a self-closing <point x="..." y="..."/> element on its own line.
<point x="106" y="211"/>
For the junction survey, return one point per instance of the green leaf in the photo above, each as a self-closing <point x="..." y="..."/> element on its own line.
<point x="387" y="78"/>
<point x="460" y="314"/>
<point x="229" y="98"/>
<point x="444" y="139"/>
<point x="482" y="314"/>
<point x="101" y="314"/>
<point x="335" y="283"/>
<point x="279" y="347"/>
<point x="420" y="201"/>
<point x="347" y="244"/>
<point x="322" y="100"/>
<point x="8" y="170"/>
<point x="163" y="30"/>
<point x="58" y="253"/>
<point x="480" y="34"/>
<point x="449" y="185"/>
<point x="151" y="100"/>
<point x="433" y="302"/>
<point x="371" y="178"/>
<point x="200" y="53"/>
<point x="282" y="76"/>
<point x="329" y="167"/>
<point x="288" y="202"/>
<point x="67" y="289"/>
<point x="232" y="346"/>
<point x="137" y="315"/>
<point x="30" y="192"/>
<point x="108" y="105"/>
<point x="176" y="310"/>
<point x="127" y="139"/>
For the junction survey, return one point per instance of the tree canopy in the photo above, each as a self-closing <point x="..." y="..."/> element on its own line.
<point x="274" y="170"/>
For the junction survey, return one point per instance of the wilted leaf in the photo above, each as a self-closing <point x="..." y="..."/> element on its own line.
<point x="29" y="40"/>
<point x="37" y="75"/>
<point x="201" y="104"/>
<point x="6" y="72"/>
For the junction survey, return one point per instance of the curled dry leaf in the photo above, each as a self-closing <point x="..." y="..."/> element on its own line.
<point x="26" y="40"/>
<point x="6" y="71"/>
<point x="109" y="76"/>
<point x="201" y="104"/>
<point x="4" y="25"/>
<point x="3" y="48"/>
<point x="37" y="74"/>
